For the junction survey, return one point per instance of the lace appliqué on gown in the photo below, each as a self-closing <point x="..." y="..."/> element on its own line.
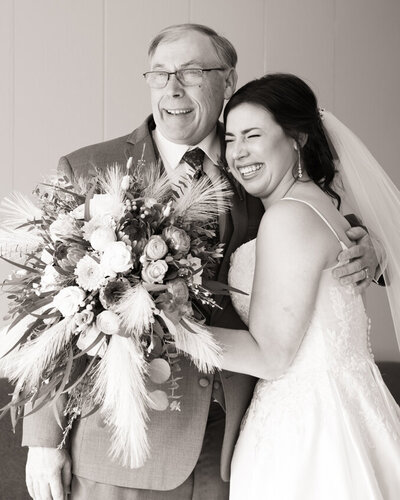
<point x="331" y="411"/>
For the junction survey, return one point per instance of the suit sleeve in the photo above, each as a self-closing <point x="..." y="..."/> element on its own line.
<point x="41" y="428"/>
<point x="64" y="168"/>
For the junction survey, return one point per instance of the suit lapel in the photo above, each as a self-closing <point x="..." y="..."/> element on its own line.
<point x="140" y="145"/>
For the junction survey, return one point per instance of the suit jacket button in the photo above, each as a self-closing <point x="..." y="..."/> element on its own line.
<point x="204" y="382"/>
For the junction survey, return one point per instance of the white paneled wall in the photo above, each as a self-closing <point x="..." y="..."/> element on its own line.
<point x="71" y="76"/>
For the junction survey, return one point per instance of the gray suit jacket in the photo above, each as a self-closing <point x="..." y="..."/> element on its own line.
<point x="175" y="437"/>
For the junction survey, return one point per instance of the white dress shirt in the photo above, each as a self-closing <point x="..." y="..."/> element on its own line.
<point x="171" y="155"/>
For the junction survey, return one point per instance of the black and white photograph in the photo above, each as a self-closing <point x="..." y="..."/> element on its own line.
<point x="200" y="250"/>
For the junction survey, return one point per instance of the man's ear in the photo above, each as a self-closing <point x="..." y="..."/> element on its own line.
<point x="230" y="83"/>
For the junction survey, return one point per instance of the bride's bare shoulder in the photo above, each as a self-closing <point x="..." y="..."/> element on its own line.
<point x="294" y="227"/>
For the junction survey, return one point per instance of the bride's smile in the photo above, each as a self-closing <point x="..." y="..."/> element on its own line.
<point x="249" y="171"/>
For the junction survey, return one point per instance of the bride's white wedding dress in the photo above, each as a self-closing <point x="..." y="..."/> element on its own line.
<point x="329" y="429"/>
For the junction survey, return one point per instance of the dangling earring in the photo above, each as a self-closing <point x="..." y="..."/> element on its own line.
<point x="299" y="167"/>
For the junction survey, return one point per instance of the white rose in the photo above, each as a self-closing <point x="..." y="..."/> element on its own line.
<point x="116" y="258"/>
<point x="108" y="322"/>
<point x="83" y="319"/>
<point x="156" y="248"/>
<point x="87" y="338"/>
<point x="154" y="271"/>
<point x="105" y="204"/>
<point x="101" y="237"/>
<point x="68" y="300"/>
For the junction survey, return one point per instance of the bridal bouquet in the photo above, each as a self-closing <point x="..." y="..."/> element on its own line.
<point x="103" y="264"/>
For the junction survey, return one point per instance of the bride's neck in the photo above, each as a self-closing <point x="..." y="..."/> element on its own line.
<point x="286" y="188"/>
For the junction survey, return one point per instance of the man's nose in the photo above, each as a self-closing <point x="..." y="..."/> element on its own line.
<point x="174" y="87"/>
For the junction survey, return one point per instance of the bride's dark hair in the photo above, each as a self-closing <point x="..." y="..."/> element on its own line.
<point x="294" y="107"/>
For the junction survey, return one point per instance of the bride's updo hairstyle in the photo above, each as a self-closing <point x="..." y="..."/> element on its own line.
<point x="294" y="107"/>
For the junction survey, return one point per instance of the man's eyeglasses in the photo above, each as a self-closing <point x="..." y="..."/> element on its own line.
<point x="187" y="77"/>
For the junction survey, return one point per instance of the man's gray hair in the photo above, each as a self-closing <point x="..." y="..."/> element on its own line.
<point x="225" y="50"/>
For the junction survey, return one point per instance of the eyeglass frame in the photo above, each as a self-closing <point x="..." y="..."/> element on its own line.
<point x="176" y="73"/>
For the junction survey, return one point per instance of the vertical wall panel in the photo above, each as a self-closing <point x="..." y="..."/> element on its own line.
<point x="129" y="28"/>
<point x="6" y="95"/>
<point x="367" y="82"/>
<point x="299" y="40"/>
<point x="6" y="114"/>
<point x="367" y="77"/>
<point x="58" y="83"/>
<point x="242" y="23"/>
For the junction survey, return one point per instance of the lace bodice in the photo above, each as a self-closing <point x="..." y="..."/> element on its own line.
<point x="339" y="327"/>
<point x="335" y="350"/>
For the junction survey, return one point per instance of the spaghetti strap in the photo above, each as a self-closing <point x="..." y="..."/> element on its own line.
<point x="343" y="245"/>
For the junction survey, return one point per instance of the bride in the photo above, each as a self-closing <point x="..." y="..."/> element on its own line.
<point x="321" y="424"/>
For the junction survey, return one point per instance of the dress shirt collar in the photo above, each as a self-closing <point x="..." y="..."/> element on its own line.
<point x="173" y="153"/>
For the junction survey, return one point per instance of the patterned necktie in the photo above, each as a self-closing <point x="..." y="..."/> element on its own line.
<point x="194" y="158"/>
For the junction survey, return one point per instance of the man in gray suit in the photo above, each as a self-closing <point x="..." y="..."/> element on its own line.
<point x="192" y="73"/>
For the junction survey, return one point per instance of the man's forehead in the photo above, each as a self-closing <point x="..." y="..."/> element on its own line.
<point x="192" y="49"/>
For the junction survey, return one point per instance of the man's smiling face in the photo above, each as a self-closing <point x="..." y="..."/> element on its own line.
<point x="186" y="115"/>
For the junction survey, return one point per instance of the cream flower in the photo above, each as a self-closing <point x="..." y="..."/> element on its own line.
<point x="105" y="204"/>
<point x="68" y="300"/>
<point x="89" y="274"/>
<point x="154" y="271"/>
<point x="83" y="319"/>
<point x="116" y="258"/>
<point x="108" y="322"/>
<point x="156" y="248"/>
<point x="95" y="223"/>
<point x="64" y="226"/>
<point x="101" y="237"/>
